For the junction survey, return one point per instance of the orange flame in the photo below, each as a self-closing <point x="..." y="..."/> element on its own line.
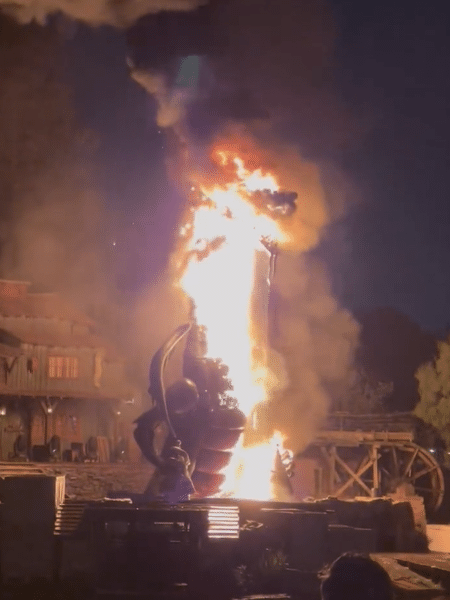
<point x="250" y="475"/>
<point x="223" y="239"/>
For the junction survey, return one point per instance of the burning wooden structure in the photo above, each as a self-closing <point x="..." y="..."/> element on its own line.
<point x="58" y="377"/>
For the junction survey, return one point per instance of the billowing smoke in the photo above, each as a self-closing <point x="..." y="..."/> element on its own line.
<point x="317" y="340"/>
<point x="266" y="77"/>
<point x="171" y="104"/>
<point x="118" y="13"/>
<point x="313" y="338"/>
<point x="55" y="230"/>
<point x="217" y="73"/>
<point x="243" y="60"/>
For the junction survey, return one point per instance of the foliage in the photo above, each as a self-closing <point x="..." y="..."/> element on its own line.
<point x="434" y="391"/>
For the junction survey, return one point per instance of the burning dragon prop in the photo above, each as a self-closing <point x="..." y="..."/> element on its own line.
<point x="193" y="434"/>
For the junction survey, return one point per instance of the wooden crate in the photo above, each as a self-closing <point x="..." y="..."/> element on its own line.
<point x="31" y="498"/>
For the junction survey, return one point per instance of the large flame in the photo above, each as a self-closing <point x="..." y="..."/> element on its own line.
<point x="222" y="240"/>
<point x="252" y="471"/>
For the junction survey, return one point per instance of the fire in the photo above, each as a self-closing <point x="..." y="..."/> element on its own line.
<point x="250" y="475"/>
<point x="222" y="240"/>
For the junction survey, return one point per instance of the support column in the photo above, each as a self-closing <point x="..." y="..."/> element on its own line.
<point x="49" y="408"/>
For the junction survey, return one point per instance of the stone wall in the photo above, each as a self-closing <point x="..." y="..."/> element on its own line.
<point x="92" y="481"/>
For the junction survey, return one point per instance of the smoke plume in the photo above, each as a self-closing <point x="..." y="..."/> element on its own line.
<point x="313" y="338"/>
<point x="118" y="13"/>
<point x="269" y="61"/>
<point x="317" y="340"/>
<point x="262" y="72"/>
<point x="267" y="77"/>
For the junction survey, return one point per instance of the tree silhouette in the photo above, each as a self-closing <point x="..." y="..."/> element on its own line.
<point x="434" y="389"/>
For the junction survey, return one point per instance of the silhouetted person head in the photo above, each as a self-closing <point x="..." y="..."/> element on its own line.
<point x="355" y="577"/>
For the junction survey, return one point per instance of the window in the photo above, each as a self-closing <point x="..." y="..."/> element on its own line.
<point x="62" y="367"/>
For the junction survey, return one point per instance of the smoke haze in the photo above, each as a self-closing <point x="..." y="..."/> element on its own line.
<point x="317" y="339"/>
<point x="264" y="88"/>
<point x="280" y="58"/>
<point x="118" y="13"/>
<point x="54" y="227"/>
<point x="55" y="238"/>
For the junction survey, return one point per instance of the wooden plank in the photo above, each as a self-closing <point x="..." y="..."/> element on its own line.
<point x="374" y="452"/>
<point x="404" y="579"/>
<point x="352" y="474"/>
<point x="358" y="473"/>
<point x="430" y="560"/>
<point x="364" y="436"/>
<point x="103" y="449"/>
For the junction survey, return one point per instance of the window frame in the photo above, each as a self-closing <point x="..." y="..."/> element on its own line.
<point x="63" y="367"/>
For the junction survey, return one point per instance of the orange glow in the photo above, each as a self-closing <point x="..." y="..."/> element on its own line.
<point x="221" y="244"/>
<point x="250" y="474"/>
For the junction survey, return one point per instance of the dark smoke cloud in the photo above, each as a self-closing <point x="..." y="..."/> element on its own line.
<point x="267" y="59"/>
<point x="118" y="13"/>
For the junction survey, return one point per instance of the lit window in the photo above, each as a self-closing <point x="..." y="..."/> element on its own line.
<point x="52" y="367"/>
<point x="62" y="367"/>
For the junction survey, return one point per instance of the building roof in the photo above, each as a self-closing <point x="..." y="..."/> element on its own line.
<point x="42" y="305"/>
<point x="17" y="301"/>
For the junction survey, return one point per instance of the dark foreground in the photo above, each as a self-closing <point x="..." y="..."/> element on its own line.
<point x="213" y="549"/>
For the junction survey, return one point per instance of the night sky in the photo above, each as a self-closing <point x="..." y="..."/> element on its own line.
<point x="391" y="66"/>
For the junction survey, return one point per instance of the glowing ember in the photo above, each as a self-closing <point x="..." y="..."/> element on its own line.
<point x="222" y="242"/>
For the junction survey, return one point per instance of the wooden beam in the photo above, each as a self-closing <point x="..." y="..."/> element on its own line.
<point x="410" y="462"/>
<point x="333" y="476"/>
<point x="395" y="461"/>
<point x="424" y="472"/>
<point x="376" y="483"/>
<point x="357" y="437"/>
<point x="353" y="475"/>
<point x="362" y="469"/>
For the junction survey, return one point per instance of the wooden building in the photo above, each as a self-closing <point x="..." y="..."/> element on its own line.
<point x="57" y="376"/>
